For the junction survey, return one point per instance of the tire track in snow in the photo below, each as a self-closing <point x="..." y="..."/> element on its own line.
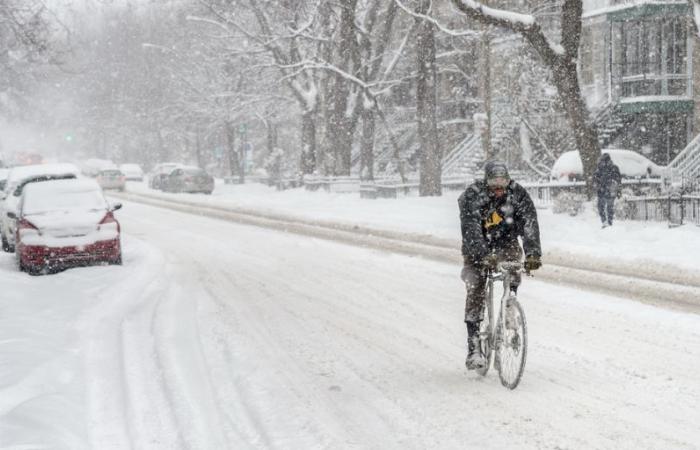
<point x="115" y="364"/>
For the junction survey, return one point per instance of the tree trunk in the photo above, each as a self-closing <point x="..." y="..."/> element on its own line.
<point x="271" y="137"/>
<point x="585" y="133"/>
<point x="485" y="88"/>
<point x="308" y="143"/>
<point x="426" y="104"/>
<point x="341" y="127"/>
<point x="367" y="149"/>
<point x="198" y="149"/>
<point x="233" y="160"/>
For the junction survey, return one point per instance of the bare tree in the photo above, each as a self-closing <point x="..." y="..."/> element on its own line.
<point x="561" y="59"/>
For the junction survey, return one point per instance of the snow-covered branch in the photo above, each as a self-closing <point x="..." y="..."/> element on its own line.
<point x="438" y="25"/>
<point x="524" y="24"/>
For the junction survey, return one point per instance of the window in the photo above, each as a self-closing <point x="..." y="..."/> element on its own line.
<point x="654" y="57"/>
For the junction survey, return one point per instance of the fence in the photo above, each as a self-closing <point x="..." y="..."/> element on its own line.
<point x="676" y="209"/>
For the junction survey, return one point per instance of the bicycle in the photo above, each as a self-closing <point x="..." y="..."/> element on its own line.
<point x="506" y="343"/>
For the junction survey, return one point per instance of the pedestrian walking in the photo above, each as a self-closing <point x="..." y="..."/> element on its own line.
<point x="606" y="180"/>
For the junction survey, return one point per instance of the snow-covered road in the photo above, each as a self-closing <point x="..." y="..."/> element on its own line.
<point x="215" y="335"/>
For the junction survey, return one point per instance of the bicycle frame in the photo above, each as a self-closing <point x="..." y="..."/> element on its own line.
<point x="504" y="272"/>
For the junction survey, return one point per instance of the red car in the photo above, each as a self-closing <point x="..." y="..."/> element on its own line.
<point x="63" y="223"/>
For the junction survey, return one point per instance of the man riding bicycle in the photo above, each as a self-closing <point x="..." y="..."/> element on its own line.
<point x="493" y="212"/>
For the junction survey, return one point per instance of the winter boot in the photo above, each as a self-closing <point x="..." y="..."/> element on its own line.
<point x="475" y="360"/>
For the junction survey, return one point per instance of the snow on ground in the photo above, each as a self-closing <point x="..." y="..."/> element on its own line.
<point x="639" y="243"/>
<point x="215" y="335"/>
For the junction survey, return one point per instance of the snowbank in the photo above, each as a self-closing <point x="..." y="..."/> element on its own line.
<point x="630" y="243"/>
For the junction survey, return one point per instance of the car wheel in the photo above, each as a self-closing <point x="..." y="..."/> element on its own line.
<point x="5" y="244"/>
<point x="116" y="261"/>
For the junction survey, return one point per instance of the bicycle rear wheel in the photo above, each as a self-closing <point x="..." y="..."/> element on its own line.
<point x="486" y="332"/>
<point x="511" y="345"/>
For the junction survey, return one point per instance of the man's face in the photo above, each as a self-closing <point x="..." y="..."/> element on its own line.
<point x="497" y="186"/>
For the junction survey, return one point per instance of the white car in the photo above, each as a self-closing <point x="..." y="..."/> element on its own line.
<point x="632" y="165"/>
<point x="16" y="180"/>
<point x="111" y="179"/>
<point x="91" y="167"/>
<point x="132" y="172"/>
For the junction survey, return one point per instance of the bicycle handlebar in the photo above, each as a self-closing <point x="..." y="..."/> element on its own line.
<point x="509" y="266"/>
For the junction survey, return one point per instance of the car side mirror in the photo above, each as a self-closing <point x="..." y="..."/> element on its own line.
<point x="115" y="206"/>
<point x="11" y="215"/>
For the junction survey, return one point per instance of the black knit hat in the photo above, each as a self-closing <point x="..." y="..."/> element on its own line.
<point x="495" y="169"/>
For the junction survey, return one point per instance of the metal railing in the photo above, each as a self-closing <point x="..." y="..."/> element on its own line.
<point x="676" y="209"/>
<point x="687" y="163"/>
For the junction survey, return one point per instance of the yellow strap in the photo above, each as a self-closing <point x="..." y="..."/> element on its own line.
<point x="492" y="221"/>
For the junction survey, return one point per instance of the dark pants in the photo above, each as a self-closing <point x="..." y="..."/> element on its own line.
<point x="606" y="205"/>
<point x="474" y="276"/>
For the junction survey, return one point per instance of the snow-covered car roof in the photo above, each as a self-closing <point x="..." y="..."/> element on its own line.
<point x="19" y="173"/>
<point x="130" y="166"/>
<point x="191" y="168"/>
<point x="164" y="168"/>
<point x="631" y="164"/>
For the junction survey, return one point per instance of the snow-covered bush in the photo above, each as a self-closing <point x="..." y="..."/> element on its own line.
<point x="568" y="202"/>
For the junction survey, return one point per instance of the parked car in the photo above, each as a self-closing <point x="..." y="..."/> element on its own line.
<point x="632" y="165"/>
<point x="188" y="179"/>
<point x="159" y="172"/>
<point x="111" y="179"/>
<point x="93" y="166"/>
<point x="17" y="179"/>
<point x="68" y="222"/>
<point x="3" y="177"/>
<point x="132" y="172"/>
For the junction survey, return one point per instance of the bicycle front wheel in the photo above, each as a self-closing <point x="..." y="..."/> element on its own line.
<point x="511" y="347"/>
<point x="486" y="332"/>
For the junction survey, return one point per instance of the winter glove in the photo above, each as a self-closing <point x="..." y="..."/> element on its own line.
<point x="489" y="262"/>
<point x="532" y="262"/>
<point x="465" y="273"/>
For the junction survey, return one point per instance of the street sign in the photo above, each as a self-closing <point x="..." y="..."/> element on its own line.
<point x="242" y="128"/>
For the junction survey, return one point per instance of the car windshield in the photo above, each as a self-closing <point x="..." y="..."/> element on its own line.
<point x="195" y="172"/>
<point x="39" y="179"/>
<point x="110" y="173"/>
<point x="66" y="200"/>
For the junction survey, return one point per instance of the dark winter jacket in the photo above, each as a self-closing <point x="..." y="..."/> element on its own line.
<point x="606" y="177"/>
<point x="482" y="231"/>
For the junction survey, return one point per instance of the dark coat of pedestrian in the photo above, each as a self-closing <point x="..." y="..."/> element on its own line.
<point x="607" y="181"/>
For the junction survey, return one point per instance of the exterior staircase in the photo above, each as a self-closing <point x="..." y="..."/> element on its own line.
<point x="608" y="121"/>
<point x="464" y="160"/>
<point x="686" y="165"/>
